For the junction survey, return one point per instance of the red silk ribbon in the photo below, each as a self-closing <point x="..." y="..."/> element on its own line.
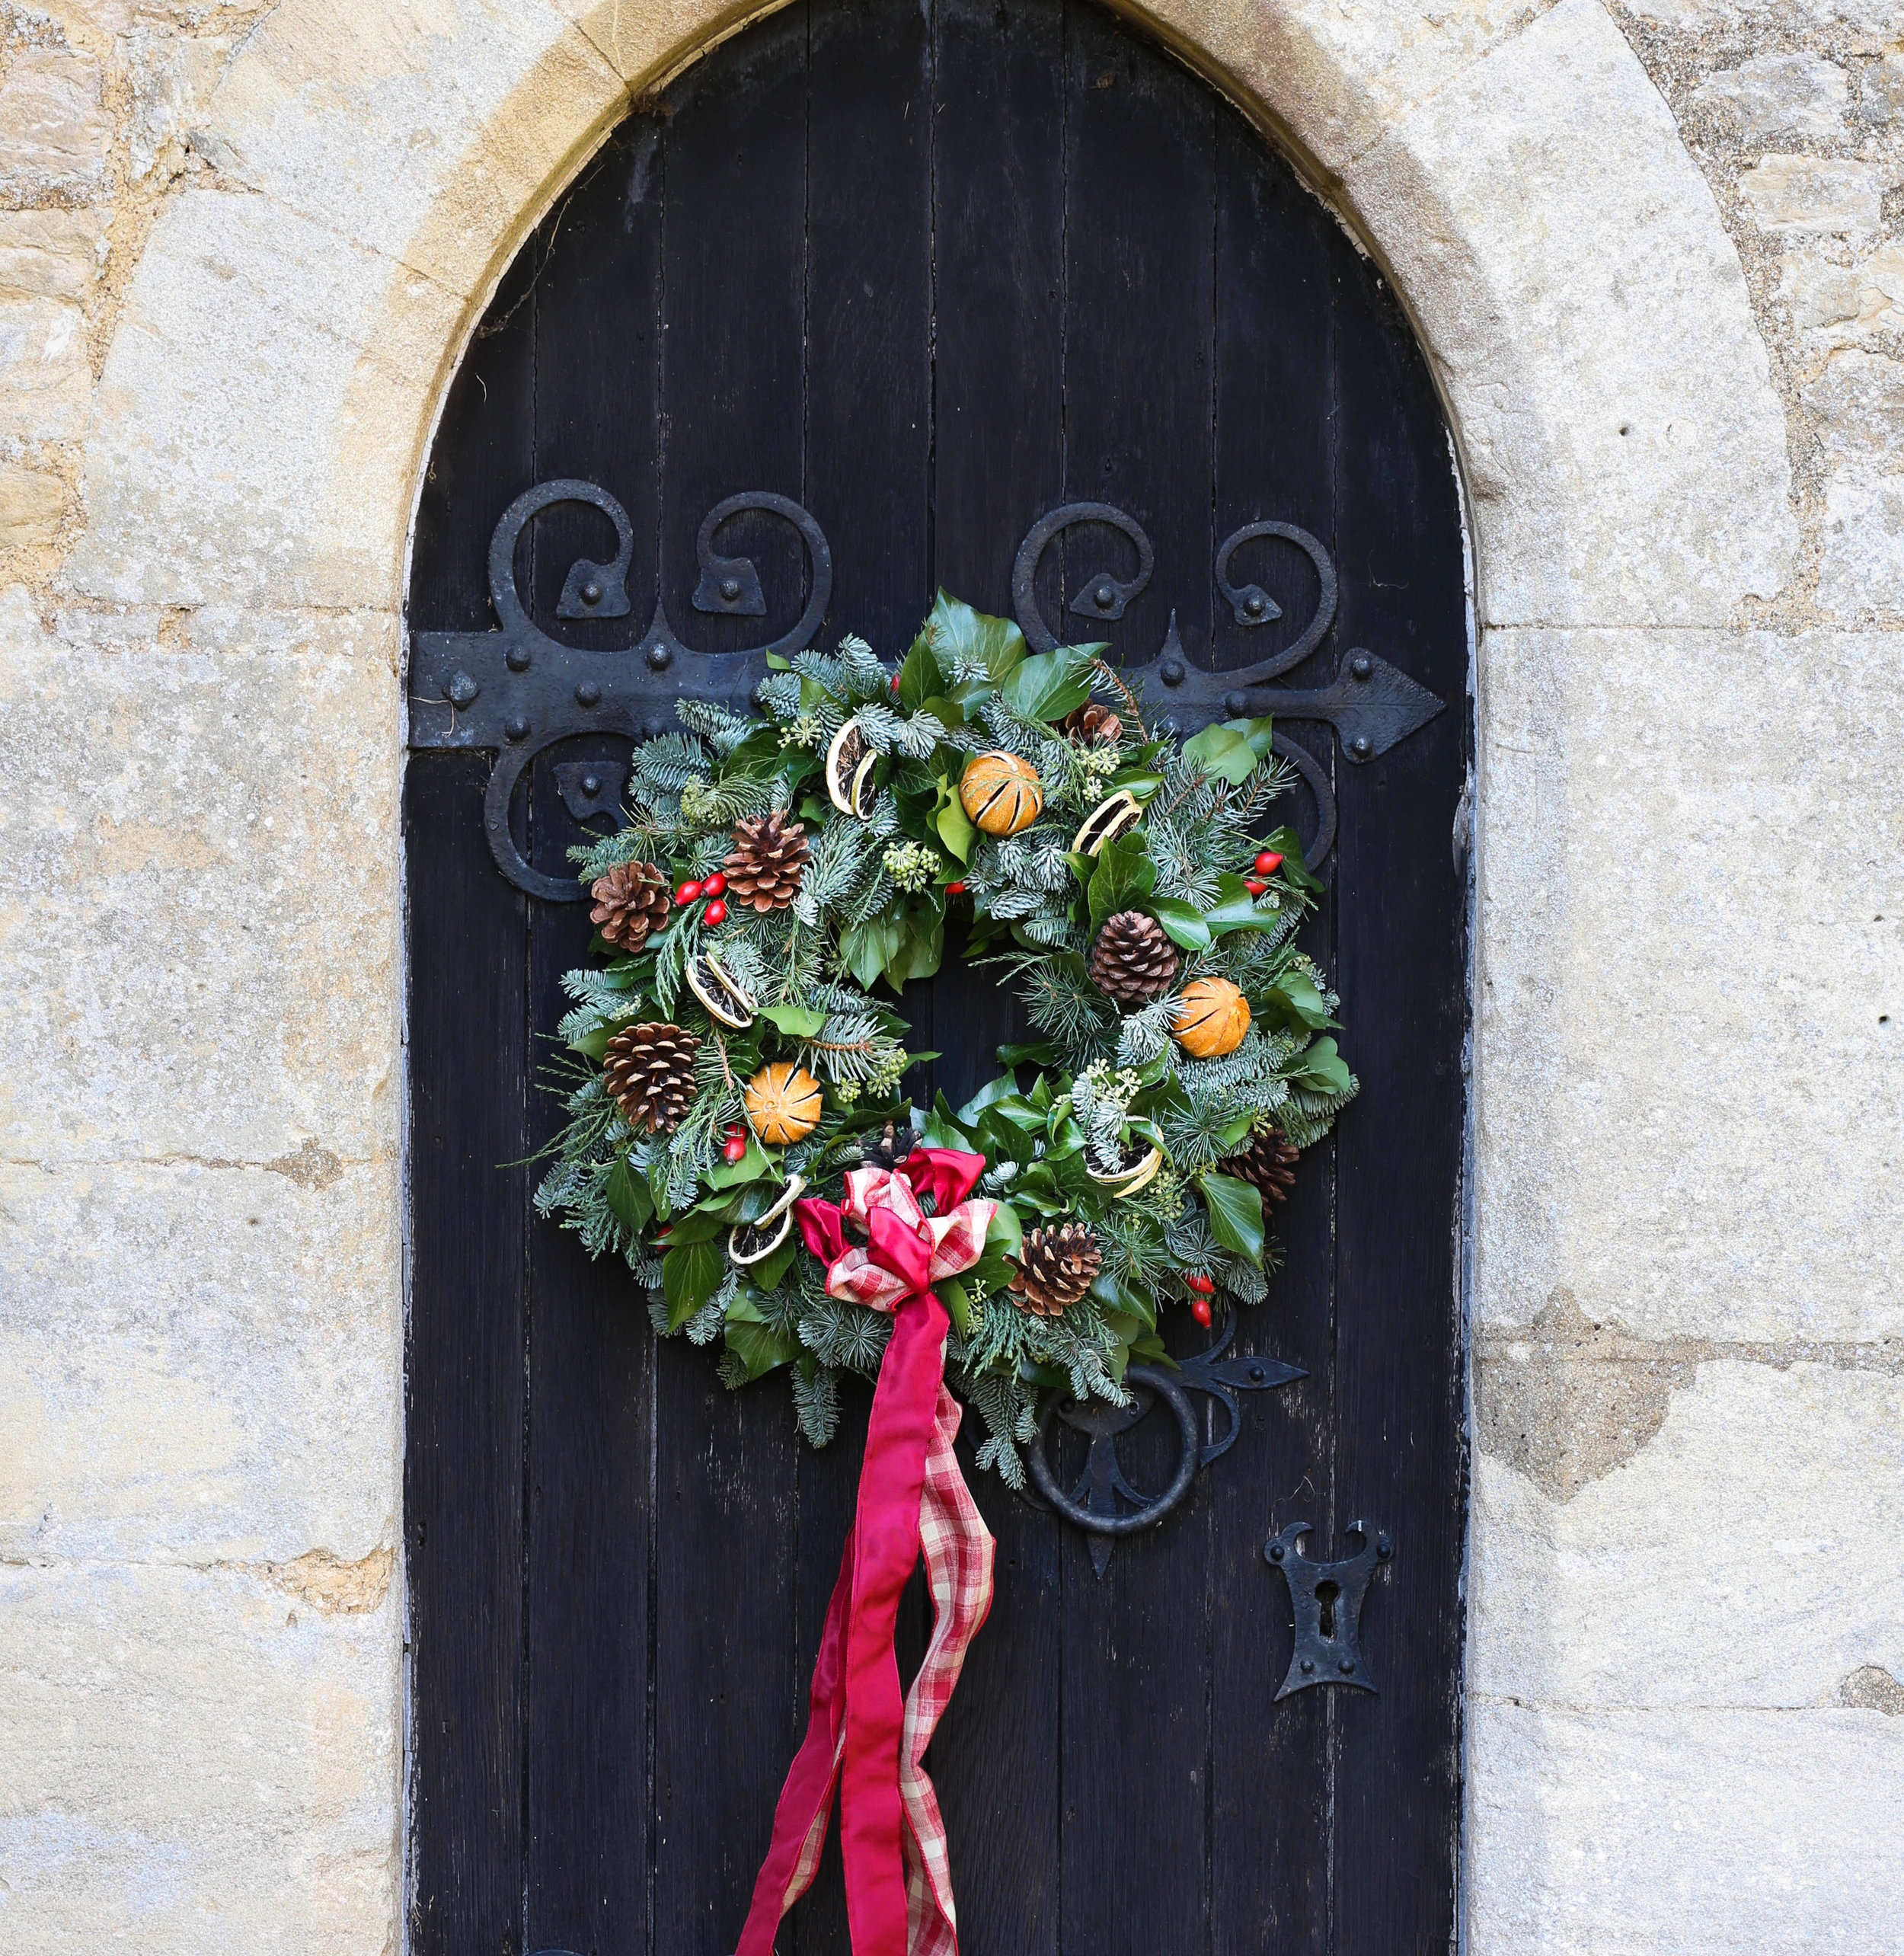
<point x="912" y="1498"/>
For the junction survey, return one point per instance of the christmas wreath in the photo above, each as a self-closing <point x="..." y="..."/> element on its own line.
<point x="735" y="1079"/>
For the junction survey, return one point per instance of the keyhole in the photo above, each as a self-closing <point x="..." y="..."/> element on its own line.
<point x="1325" y="1596"/>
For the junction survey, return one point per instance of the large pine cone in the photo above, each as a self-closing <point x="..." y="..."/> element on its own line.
<point x="1056" y="1268"/>
<point x="1092" y="724"/>
<point x="630" y="902"/>
<point x="1268" y="1161"/>
<point x="1132" y="960"/>
<point x="649" y="1073"/>
<point x="765" y="865"/>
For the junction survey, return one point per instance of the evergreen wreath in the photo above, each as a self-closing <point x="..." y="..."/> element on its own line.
<point x="729" y="1054"/>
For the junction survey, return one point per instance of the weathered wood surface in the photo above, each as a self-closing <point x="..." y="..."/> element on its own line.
<point x="930" y="271"/>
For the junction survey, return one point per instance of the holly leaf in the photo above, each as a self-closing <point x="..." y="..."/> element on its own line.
<point x="1183" y="923"/>
<point x="1123" y="876"/>
<point x="958" y="635"/>
<point x="1236" y="1214"/>
<point x="690" y="1275"/>
<point x="797" y="1021"/>
<point x="1052" y="684"/>
<point x="1323" y="1070"/>
<point x="629" y="1198"/>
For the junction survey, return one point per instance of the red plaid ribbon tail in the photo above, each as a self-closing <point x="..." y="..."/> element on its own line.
<point x="912" y="1499"/>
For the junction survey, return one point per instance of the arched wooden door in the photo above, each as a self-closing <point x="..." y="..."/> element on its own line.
<point x="931" y="272"/>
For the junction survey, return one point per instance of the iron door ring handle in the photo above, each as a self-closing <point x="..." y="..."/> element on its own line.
<point x="1189" y="1458"/>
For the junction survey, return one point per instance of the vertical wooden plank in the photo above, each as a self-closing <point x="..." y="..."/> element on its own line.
<point x="597" y="411"/>
<point x="1269" y="1848"/>
<point x="1398" y="1378"/>
<point x="727" y="1700"/>
<point x="998" y="206"/>
<point x="468" y="1096"/>
<point x="868" y="436"/>
<point x="1139" y="199"/>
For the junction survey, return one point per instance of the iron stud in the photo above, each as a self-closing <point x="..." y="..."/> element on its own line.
<point x="516" y="658"/>
<point x="587" y="694"/>
<point x="1253" y="604"/>
<point x="1172" y="674"/>
<point x="1346" y="1666"/>
<point x="1361" y="746"/>
<point x="730" y="589"/>
<point x="462" y="690"/>
<point x="517" y="728"/>
<point x="1361" y="665"/>
<point x="659" y="657"/>
<point x="591" y="785"/>
<point x="1233" y="703"/>
<point x="591" y="593"/>
<point x="1101" y="597"/>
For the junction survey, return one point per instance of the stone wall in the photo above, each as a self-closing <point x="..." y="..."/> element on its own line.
<point x="1657" y="256"/>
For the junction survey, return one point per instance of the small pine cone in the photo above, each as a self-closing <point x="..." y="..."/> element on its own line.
<point x="1132" y="960"/>
<point x="649" y="1070"/>
<point x="1056" y="1268"/>
<point x="766" y="864"/>
<point x="1092" y="725"/>
<point x="1268" y="1161"/>
<point x="630" y="902"/>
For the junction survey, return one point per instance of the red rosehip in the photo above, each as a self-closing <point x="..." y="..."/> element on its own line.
<point x="955" y="890"/>
<point x="1268" y="863"/>
<point x="1254" y="885"/>
<point x="715" y="913"/>
<point x="689" y="893"/>
<point x="715" y="885"/>
<point x="1206" y="1285"/>
<point x="734" y="1147"/>
<point x="1200" y="1311"/>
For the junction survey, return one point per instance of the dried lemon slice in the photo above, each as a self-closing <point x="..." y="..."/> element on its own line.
<point x="727" y="1000"/>
<point x="1107" y="821"/>
<point x="755" y="1242"/>
<point x="849" y="770"/>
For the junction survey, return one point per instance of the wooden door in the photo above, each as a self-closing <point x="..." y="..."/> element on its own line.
<point x="932" y="272"/>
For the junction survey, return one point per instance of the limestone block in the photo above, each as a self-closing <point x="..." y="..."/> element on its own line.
<point x="1701" y="1832"/>
<point x="1624" y="448"/>
<point x="1862" y="571"/>
<point x="428" y="132"/>
<point x="1711" y="1566"/>
<point x="1857" y="401"/>
<point x="256" y="429"/>
<point x="51" y="253"/>
<point x="45" y="382"/>
<point x="199" y="932"/>
<point x="1790" y="193"/>
<point x="54" y="128"/>
<point x="1846" y="301"/>
<point x="203" y="1363"/>
<point x="197" y="1762"/>
<point x="1691" y="990"/>
<point x="1881" y="99"/>
<point x="1867" y="21"/>
<point x="32" y="503"/>
<point x="173" y="76"/>
<point x="1773" y="95"/>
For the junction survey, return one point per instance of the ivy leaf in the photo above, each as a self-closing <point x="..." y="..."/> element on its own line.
<point x="1124" y="875"/>
<point x="690" y="1275"/>
<point x="1294" y="999"/>
<point x="797" y="1021"/>
<point x="918" y="677"/>
<point x="1184" y="922"/>
<point x="1236" y="1215"/>
<point x="919" y="954"/>
<point x="759" y="1347"/>
<point x="866" y="949"/>
<point x="629" y="1198"/>
<point x="958" y="635"/>
<point x="1231" y="751"/>
<point x="593" y="1044"/>
<point x="1006" y="1234"/>
<point x="702" y="1222"/>
<point x="953" y="824"/>
<point x="1049" y="685"/>
<point x="1117" y="1295"/>
<point x="769" y="1272"/>
<point x="1235" y="909"/>
<point x="1323" y="1070"/>
<point x="751" y="1167"/>
<point x="958" y="1302"/>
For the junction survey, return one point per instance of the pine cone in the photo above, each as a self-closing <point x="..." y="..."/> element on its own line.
<point x="1268" y="1161"/>
<point x="649" y="1073"/>
<point x="1132" y="960"/>
<point x="630" y="901"/>
<point x="1056" y="1268"/>
<point x="1092" y="723"/>
<point x="765" y="865"/>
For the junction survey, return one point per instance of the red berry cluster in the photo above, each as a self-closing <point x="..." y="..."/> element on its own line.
<point x="1202" y="1288"/>
<point x="1266" y="864"/>
<point x="713" y="886"/>
<point x="735" y="1146"/>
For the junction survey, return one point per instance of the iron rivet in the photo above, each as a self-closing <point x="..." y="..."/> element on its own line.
<point x="1233" y="703"/>
<point x="1362" y="665"/>
<point x="659" y="657"/>
<point x="1309" y="1665"/>
<point x="730" y="589"/>
<point x="1256" y="1375"/>
<point x="1253" y="604"/>
<point x="587" y="693"/>
<point x="1173" y="672"/>
<point x="591" y="593"/>
<point x="1360" y="747"/>
<point x="1101" y="597"/>
<point x="591" y="785"/>
<point x="1275" y="1552"/>
<point x="461" y="689"/>
<point x="1384" y="1550"/>
<point x="1346" y="1666"/>
<point x="517" y="657"/>
<point x="517" y="728"/>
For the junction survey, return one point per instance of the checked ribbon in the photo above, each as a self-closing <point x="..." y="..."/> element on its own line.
<point x="913" y="1499"/>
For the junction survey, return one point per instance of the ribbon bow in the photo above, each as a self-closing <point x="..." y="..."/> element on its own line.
<point x="911" y="1498"/>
